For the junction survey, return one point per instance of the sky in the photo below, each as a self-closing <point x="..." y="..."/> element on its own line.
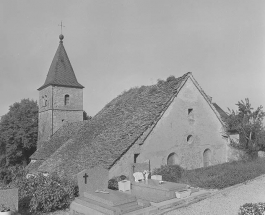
<point x="119" y="44"/>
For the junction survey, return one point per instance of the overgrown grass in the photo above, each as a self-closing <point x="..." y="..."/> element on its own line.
<point x="215" y="177"/>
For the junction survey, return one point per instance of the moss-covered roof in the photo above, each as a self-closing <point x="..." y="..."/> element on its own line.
<point x="111" y="132"/>
<point x="34" y="165"/>
<point x="47" y="148"/>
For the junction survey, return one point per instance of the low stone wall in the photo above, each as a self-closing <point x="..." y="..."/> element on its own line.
<point x="9" y="198"/>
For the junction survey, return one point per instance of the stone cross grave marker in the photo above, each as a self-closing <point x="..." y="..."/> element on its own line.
<point x="91" y="180"/>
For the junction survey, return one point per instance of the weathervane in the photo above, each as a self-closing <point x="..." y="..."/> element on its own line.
<point x="61" y="27"/>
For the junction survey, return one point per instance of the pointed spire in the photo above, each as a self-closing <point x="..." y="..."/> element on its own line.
<point x="61" y="72"/>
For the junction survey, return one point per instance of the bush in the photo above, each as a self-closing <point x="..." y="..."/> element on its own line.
<point x="171" y="173"/>
<point x="252" y="209"/>
<point x="113" y="183"/>
<point x="5" y="176"/>
<point x="51" y="193"/>
<point x="224" y="175"/>
<point x="214" y="177"/>
<point x="39" y="193"/>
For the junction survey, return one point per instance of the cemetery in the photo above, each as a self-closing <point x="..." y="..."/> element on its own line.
<point x="142" y="194"/>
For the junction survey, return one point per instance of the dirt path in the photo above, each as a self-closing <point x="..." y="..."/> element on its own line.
<point x="227" y="201"/>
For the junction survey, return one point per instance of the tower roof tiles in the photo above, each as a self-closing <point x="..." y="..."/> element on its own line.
<point x="61" y="72"/>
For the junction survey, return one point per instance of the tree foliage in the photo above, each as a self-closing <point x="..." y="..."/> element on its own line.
<point x="249" y="124"/>
<point x="19" y="132"/>
<point x="85" y="116"/>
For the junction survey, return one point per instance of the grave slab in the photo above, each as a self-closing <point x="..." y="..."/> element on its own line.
<point x="152" y="190"/>
<point x="95" y="195"/>
<point x="113" y="198"/>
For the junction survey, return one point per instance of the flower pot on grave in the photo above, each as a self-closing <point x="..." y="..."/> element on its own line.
<point x="124" y="185"/>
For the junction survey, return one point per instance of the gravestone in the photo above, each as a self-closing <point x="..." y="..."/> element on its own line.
<point x="90" y="180"/>
<point x="9" y="198"/>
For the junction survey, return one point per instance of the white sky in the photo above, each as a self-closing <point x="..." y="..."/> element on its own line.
<point x="119" y="44"/>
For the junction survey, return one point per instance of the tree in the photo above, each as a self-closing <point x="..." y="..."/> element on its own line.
<point x="19" y="132"/>
<point x="86" y="117"/>
<point x="248" y="123"/>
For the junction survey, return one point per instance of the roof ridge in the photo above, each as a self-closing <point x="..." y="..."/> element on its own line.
<point x="208" y="101"/>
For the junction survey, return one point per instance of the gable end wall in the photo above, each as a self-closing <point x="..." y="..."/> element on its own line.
<point x="170" y="135"/>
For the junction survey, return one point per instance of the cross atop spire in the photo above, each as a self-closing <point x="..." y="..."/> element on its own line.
<point x="61" y="27"/>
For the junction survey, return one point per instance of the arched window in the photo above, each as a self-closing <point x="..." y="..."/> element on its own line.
<point x="189" y="139"/>
<point x="46" y="100"/>
<point x="43" y="101"/>
<point x="66" y="99"/>
<point x="172" y="159"/>
<point x="206" y="157"/>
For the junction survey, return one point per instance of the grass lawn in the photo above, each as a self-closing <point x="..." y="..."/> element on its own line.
<point x="215" y="177"/>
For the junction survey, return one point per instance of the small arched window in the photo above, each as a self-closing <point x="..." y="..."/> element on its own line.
<point x="189" y="139"/>
<point x="172" y="159"/>
<point x="66" y="99"/>
<point x="206" y="157"/>
<point x="46" y="100"/>
<point x="43" y="101"/>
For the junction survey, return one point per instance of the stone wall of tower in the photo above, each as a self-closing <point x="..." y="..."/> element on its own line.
<point x="45" y="125"/>
<point x="53" y="111"/>
<point x="45" y="114"/>
<point x="60" y="117"/>
<point x="75" y="98"/>
<point x="72" y="112"/>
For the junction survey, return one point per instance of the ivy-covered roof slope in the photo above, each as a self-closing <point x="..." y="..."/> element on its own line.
<point x="47" y="148"/>
<point x="111" y="132"/>
<point x="34" y="165"/>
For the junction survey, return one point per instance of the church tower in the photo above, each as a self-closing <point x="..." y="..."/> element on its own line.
<point x="60" y="97"/>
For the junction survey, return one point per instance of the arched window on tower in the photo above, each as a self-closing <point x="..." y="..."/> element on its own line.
<point x="43" y="101"/>
<point x="46" y="101"/>
<point x="66" y="99"/>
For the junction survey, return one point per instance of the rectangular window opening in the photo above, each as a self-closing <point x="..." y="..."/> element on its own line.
<point x="190" y="110"/>
<point x="135" y="157"/>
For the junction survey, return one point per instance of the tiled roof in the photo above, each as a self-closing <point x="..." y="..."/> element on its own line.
<point x="67" y="131"/>
<point x="110" y="133"/>
<point x="34" y="165"/>
<point x="61" y="72"/>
